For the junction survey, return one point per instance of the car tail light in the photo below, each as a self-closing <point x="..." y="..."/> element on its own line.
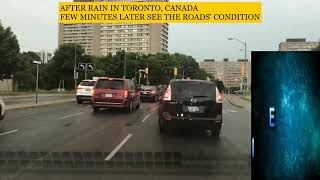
<point x="218" y="97"/>
<point x="167" y="94"/>
<point x="125" y="94"/>
<point x="92" y="92"/>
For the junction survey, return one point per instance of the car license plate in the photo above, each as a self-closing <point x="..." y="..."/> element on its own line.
<point x="144" y="92"/>
<point x="87" y="90"/>
<point x="193" y="109"/>
<point x="108" y="95"/>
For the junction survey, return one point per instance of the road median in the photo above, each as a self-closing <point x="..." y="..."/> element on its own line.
<point x="246" y="98"/>
<point x="32" y="105"/>
<point x="232" y="102"/>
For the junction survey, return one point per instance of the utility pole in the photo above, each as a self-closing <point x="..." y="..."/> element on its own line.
<point x="148" y="74"/>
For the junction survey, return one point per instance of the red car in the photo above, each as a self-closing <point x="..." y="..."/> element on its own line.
<point x="115" y="93"/>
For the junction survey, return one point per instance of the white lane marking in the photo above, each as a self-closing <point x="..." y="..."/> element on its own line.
<point x="16" y="130"/>
<point x="229" y="110"/>
<point x="115" y="150"/>
<point x="70" y="115"/>
<point x="147" y="116"/>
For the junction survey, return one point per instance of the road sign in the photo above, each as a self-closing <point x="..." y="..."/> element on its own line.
<point x="36" y="62"/>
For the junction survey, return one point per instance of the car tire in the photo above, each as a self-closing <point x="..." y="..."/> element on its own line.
<point x="154" y="98"/>
<point x="162" y="127"/>
<point x="79" y="101"/>
<point x="95" y="109"/>
<point x="215" y="132"/>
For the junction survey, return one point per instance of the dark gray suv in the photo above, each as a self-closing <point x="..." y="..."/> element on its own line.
<point x="193" y="104"/>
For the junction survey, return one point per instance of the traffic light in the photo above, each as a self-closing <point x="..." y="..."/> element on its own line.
<point x="146" y="71"/>
<point x="90" y="67"/>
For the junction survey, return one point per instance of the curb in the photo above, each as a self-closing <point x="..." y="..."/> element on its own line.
<point x="234" y="103"/>
<point x="33" y="95"/>
<point x="245" y="98"/>
<point x="24" y="106"/>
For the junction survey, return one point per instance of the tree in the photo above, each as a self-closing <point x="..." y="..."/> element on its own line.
<point x="61" y="66"/>
<point x="219" y="85"/>
<point x="25" y="73"/>
<point x="9" y="49"/>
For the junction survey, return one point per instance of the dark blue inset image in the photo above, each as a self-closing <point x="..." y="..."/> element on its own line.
<point x="286" y="115"/>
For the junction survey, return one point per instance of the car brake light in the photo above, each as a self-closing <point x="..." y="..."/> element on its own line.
<point x="218" y="97"/>
<point x="167" y="94"/>
<point x="92" y="92"/>
<point x="125" y="94"/>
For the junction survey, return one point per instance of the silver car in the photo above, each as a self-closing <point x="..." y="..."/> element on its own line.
<point x="2" y="112"/>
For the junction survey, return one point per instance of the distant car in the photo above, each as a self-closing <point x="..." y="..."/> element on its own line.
<point x="84" y="90"/>
<point x="193" y="104"/>
<point x="2" y="112"/>
<point x="241" y="91"/>
<point x="149" y="92"/>
<point x="115" y="93"/>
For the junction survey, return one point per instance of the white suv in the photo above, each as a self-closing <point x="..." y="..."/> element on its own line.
<point x="2" y="112"/>
<point x="84" y="90"/>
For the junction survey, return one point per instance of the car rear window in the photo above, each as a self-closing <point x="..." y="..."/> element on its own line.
<point x="187" y="89"/>
<point x="148" y="87"/>
<point x="109" y="84"/>
<point x="87" y="83"/>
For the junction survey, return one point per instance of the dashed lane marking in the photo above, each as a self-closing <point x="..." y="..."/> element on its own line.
<point x="65" y="117"/>
<point x="116" y="149"/>
<point x="9" y="132"/>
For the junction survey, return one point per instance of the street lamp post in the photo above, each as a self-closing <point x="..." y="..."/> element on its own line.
<point x="245" y="54"/>
<point x="37" y="81"/>
<point x="75" y="67"/>
<point x="125" y="65"/>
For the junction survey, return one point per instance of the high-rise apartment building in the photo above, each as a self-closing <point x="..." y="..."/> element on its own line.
<point x="298" y="45"/>
<point x="102" y="39"/>
<point x="229" y="72"/>
<point x="44" y="56"/>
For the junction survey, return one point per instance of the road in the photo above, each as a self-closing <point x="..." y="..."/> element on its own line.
<point x="131" y="141"/>
<point x="12" y="100"/>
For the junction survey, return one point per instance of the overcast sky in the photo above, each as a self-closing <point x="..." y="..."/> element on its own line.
<point x="35" y="22"/>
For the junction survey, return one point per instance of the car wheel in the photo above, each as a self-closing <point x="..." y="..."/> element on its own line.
<point x="215" y="132"/>
<point x="162" y="127"/>
<point x="154" y="99"/>
<point x="130" y="107"/>
<point x="79" y="101"/>
<point x="95" y="109"/>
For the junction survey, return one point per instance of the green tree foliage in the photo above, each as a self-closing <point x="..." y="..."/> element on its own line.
<point x="9" y="49"/>
<point x="25" y="73"/>
<point x="61" y="66"/>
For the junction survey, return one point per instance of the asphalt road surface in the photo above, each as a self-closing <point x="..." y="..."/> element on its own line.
<point x="32" y="98"/>
<point x="70" y="141"/>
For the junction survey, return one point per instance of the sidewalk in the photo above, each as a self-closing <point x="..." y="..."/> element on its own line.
<point x="33" y="95"/>
<point x="239" y="101"/>
<point x="31" y="105"/>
